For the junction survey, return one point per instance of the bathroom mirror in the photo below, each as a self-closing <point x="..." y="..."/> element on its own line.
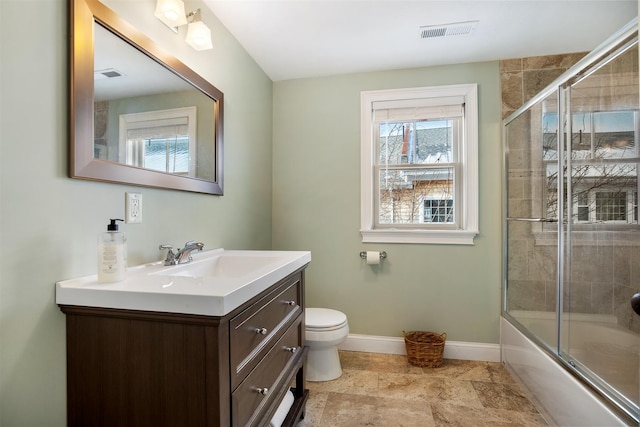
<point x="138" y="115"/>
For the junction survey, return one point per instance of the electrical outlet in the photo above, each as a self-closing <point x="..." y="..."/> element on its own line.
<point x="133" y="208"/>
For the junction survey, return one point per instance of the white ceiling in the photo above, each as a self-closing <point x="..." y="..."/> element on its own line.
<point x="293" y="39"/>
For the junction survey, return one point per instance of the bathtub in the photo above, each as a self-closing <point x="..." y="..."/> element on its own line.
<point x="563" y="399"/>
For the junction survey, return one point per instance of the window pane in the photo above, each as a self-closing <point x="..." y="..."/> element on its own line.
<point x="167" y="155"/>
<point x="606" y="134"/>
<point x="581" y="135"/>
<point x="434" y="141"/>
<point x="614" y="134"/>
<point x="394" y="143"/>
<point x="403" y="195"/>
<point x="611" y="206"/>
<point x="549" y="134"/>
<point x="416" y="142"/>
<point x="438" y="211"/>
<point x="583" y="206"/>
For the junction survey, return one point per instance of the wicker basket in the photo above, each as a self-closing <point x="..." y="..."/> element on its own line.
<point x="425" y="348"/>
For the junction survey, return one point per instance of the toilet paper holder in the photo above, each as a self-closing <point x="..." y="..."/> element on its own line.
<point x="363" y="255"/>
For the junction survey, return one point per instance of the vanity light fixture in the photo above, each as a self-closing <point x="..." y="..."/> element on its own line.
<point x="171" y="13"/>
<point x="198" y="34"/>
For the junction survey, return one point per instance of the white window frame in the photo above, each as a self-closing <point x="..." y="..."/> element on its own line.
<point x="467" y="181"/>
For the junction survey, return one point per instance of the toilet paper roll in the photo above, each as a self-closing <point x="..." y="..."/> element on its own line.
<point x="373" y="257"/>
<point x="283" y="410"/>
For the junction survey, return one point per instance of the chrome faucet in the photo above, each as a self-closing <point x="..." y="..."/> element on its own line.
<point x="182" y="256"/>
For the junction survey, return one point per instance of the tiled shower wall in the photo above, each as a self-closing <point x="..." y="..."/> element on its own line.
<point x="522" y="78"/>
<point x="606" y="268"/>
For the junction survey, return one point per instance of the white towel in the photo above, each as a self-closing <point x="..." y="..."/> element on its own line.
<point x="283" y="410"/>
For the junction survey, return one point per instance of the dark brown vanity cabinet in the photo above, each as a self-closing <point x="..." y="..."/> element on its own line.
<point x="138" y="368"/>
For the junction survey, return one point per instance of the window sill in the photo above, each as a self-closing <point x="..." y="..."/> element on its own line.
<point x="435" y="237"/>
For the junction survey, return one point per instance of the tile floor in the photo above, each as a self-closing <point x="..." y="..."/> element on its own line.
<point x="385" y="390"/>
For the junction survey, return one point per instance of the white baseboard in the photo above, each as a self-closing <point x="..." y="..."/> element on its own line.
<point x="395" y="345"/>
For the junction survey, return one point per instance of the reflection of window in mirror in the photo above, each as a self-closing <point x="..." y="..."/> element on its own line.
<point x="163" y="140"/>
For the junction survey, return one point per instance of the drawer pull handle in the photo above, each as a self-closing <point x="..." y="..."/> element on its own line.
<point x="261" y="331"/>
<point x="292" y="302"/>
<point x="263" y="391"/>
<point x="291" y="349"/>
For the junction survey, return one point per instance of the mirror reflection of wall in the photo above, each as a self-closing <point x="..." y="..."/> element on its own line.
<point x="126" y="84"/>
<point x="100" y="122"/>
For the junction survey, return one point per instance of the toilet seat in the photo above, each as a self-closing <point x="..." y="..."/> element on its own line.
<point x="325" y="330"/>
<point x="324" y="319"/>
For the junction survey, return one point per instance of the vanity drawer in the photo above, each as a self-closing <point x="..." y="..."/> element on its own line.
<point x="261" y="386"/>
<point x="252" y="331"/>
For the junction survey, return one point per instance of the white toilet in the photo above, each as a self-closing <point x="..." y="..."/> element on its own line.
<point x="325" y="329"/>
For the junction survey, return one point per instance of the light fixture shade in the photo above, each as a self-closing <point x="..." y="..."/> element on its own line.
<point x="171" y="12"/>
<point x="199" y="36"/>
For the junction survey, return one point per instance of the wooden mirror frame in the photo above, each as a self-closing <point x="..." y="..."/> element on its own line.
<point x="82" y="163"/>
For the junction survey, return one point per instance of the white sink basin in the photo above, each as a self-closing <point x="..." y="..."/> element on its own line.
<point x="214" y="283"/>
<point x="223" y="265"/>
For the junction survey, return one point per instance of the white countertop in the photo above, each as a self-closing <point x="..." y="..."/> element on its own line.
<point x="214" y="283"/>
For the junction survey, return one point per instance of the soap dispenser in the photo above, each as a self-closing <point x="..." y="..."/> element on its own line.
<point x="112" y="254"/>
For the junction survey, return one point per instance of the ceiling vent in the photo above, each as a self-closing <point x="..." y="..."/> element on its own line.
<point x="454" y="29"/>
<point x="107" y="73"/>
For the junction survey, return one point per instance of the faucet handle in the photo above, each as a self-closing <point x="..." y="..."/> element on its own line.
<point x="171" y="256"/>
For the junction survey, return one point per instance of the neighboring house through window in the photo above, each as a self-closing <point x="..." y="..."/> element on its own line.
<point x="603" y="163"/>
<point x="438" y="210"/>
<point x="420" y="165"/>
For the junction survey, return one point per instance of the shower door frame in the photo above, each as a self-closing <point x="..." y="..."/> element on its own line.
<point x="561" y="87"/>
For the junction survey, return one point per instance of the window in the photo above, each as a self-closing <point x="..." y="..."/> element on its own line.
<point x="163" y="140"/>
<point x="602" y="206"/>
<point x="419" y="165"/>
<point x="583" y="206"/>
<point x="165" y="154"/>
<point x="603" y="157"/>
<point x="438" y="210"/>
<point x="611" y="206"/>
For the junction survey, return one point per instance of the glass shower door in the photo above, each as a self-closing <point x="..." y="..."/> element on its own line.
<point x="600" y="333"/>
<point x="531" y="226"/>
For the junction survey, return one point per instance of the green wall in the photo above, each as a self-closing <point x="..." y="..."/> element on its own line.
<point x="49" y="223"/>
<point x="316" y="207"/>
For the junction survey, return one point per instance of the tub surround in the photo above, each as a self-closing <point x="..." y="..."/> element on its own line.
<point x="522" y="78"/>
